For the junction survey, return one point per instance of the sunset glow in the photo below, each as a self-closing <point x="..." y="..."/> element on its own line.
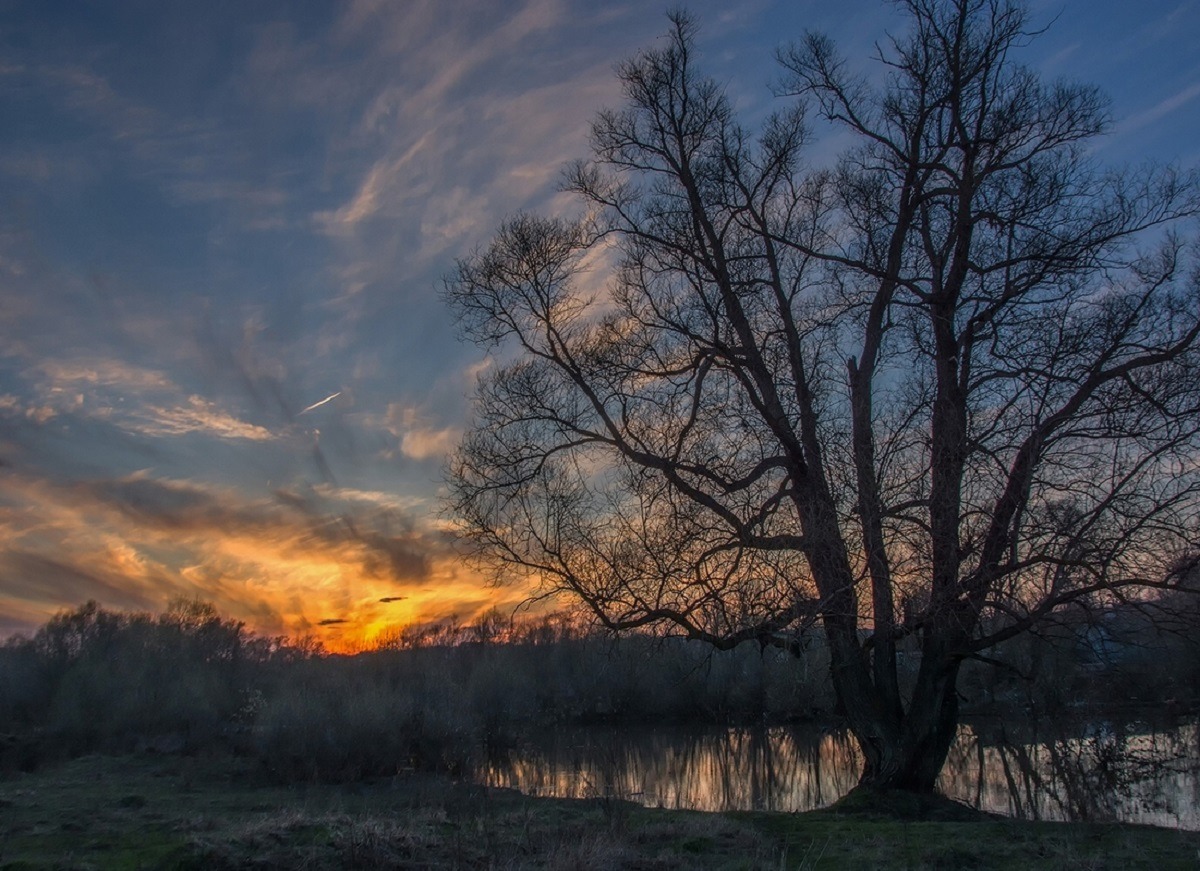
<point x="226" y="372"/>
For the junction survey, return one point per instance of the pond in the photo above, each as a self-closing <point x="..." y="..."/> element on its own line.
<point x="1099" y="770"/>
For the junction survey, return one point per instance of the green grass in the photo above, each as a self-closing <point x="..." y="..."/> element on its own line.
<point x="195" y="813"/>
<point x="824" y="840"/>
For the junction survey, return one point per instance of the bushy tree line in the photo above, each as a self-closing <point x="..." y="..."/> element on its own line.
<point x="444" y="695"/>
<point x="94" y="679"/>
<point x="431" y="696"/>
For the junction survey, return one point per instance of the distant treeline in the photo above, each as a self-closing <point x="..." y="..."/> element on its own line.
<point x="440" y="696"/>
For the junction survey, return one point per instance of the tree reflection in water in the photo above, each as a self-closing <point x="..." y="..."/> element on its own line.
<point x="1099" y="770"/>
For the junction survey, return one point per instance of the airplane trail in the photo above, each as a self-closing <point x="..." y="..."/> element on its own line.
<point x="329" y="398"/>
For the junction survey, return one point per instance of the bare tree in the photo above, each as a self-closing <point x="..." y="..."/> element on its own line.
<point x="929" y="396"/>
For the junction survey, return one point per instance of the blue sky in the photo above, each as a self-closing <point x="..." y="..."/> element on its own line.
<point x="216" y="215"/>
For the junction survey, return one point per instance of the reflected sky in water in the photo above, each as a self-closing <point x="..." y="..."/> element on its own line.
<point x="1096" y="771"/>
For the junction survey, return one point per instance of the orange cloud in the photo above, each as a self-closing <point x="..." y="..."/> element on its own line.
<point x="344" y="566"/>
<point x="416" y="438"/>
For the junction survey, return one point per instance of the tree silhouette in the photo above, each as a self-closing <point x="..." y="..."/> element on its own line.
<point x="927" y="397"/>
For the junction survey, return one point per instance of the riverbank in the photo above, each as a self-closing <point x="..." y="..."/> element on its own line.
<point x="147" y="812"/>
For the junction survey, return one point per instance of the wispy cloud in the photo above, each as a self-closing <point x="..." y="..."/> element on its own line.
<point x="88" y="373"/>
<point x="134" y="398"/>
<point x="196" y="415"/>
<point x="464" y="130"/>
<point x="369" y="198"/>
<point x="1160" y="110"/>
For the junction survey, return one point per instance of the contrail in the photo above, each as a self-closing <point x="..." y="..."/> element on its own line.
<point x="329" y="398"/>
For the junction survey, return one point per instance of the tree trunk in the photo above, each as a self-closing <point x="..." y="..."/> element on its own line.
<point x="908" y="754"/>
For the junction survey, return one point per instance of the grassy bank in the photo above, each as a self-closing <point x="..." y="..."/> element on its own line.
<point x="152" y="812"/>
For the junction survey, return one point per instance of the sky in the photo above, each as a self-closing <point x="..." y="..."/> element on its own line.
<point x="225" y="369"/>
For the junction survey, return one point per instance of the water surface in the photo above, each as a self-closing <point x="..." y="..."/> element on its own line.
<point x="1101" y="770"/>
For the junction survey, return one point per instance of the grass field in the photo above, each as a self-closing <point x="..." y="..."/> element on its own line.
<point x="217" y="813"/>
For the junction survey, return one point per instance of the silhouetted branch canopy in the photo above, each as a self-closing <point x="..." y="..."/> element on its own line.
<point x="939" y="389"/>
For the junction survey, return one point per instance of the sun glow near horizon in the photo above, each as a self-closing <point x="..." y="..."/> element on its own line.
<point x="343" y="567"/>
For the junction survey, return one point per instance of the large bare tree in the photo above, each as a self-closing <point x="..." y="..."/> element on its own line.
<point x="926" y="397"/>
